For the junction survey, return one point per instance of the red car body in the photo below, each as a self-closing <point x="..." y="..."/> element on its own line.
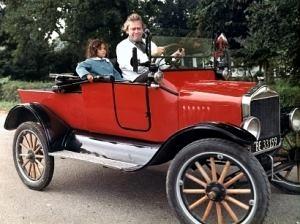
<point x="139" y="111"/>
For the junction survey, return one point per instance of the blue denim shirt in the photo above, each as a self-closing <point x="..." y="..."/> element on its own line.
<point x="97" y="66"/>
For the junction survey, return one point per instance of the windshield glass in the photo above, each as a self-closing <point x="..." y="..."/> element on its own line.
<point x="198" y="51"/>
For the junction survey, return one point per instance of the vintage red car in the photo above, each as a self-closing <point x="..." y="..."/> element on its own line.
<point x="225" y="139"/>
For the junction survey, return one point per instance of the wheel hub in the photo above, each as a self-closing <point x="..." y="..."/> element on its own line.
<point x="31" y="156"/>
<point x="215" y="192"/>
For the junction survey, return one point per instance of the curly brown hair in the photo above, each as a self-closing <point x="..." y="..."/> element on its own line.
<point x="93" y="46"/>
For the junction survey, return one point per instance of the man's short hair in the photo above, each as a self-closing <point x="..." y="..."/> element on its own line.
<point x="131" y="18"/>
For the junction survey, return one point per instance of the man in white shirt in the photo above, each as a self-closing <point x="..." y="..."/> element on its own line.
<point x="134" y="27"/>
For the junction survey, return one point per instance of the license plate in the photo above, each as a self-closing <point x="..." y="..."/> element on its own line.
<point x="265" y="144"/>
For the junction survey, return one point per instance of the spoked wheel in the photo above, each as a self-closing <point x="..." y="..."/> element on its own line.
<point x="217" y="181"/>
<point x="30" y="153"/>
<point x="287" y="164"/>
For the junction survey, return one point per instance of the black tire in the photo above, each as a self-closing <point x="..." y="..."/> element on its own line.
<point x="241" y="187"/>
<point x="30" y="152"/>
<point x="287" y="160"/>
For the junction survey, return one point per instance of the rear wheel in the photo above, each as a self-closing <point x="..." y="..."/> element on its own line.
<point x="217" y="181"/>
<point x="30" y="152"/>
<point x="287" y="160"/>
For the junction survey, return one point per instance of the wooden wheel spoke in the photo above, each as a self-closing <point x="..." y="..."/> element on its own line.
<point x="27" y="141"/>
<point x="230" y="211"/>
<point x="38" y="162"/>
<point x="193" y="191"/>
<point x="234" y="179"/>
<point x="23" y="165"/>
<point x="203" y="172"/>
<point x="39" y="156"/>
<point x="238" y="191"/>
<point x="213" y="169"/>
<point x="196" y="180"/>
<point x="198" y="202"/>
<point x="24" y="146"/>
<point x="34" y="143"/>
<point x="31" y="140"/>
<point x="237" y="202"/>
<point x="39" y="147"/>
<point x="224" y="172"/>
<point x="38" y="169"/>
<point x="29" y="170"/>
<point x="207" y="211"/>
<point x="23" y="155"/>
<point x="34" y="171"/>
<point x="219" y="213"/>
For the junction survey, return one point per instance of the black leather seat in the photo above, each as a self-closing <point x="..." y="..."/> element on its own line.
<point x="116" y="65"/>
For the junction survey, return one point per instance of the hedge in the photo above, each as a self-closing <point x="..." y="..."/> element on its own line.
<point x="289" y="94"/>
<point x="8" y="88"/>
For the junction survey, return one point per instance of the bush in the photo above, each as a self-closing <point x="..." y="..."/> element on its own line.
<point x="8" y="88"/>
<point x="289" y="94"/>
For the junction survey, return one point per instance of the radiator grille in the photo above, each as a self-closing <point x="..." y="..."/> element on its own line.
<point x="268" y="112"/>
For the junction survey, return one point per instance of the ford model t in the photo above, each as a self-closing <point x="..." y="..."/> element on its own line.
<point x="226" y="140"/>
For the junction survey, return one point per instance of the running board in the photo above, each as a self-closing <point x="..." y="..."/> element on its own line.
<point x="110" y="151"/>
<point x="96" y="159"/>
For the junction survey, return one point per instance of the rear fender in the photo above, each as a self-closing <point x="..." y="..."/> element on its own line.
<point x="207" y="130"/>
<point x="55" y="129"/>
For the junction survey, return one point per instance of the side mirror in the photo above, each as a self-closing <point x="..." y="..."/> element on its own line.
<point x="134" y="60"/>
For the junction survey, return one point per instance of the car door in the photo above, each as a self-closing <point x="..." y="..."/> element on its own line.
<point x="132" y="106"/>
<point x="114" y="107"/>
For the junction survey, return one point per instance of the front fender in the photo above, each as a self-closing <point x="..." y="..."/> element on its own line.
<point x="55" y="128"/>
<point x="205" y="130"/>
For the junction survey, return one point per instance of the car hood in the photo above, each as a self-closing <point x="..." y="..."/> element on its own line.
<point x="225" y="88"/>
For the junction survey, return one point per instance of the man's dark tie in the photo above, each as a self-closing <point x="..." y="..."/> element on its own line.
<point x="141" y="45"/>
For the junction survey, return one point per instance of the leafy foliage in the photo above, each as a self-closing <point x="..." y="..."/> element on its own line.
<point x="38" y="37"/>
<point x="8" y="88"/>
<point x="31" y="25"/>
<point x="289" y="93"/>
<point x="223" y="16"/>
<point x="274" y="36"/>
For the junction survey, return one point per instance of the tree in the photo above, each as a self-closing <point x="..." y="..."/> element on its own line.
<point x="7" y="45"/>
<point x="24" y="25"/>
<point x="223" y="16"/>
<point x="274" y="36"/>
<point x="90" y="19"/>
<point x="31" y="24"/>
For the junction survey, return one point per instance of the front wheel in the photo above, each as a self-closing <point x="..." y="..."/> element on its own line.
<point x="217" y="181"/>
<point x="30" y="152"/>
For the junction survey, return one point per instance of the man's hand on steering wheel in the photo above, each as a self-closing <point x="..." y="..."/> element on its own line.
<point x="159" y="51"/>
<point x="179" y="53"/>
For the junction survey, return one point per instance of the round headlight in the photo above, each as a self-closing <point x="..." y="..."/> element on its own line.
<point x="295" y="119"/>
<point x="158" y="76"/>
<point x="252" y="124"/>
